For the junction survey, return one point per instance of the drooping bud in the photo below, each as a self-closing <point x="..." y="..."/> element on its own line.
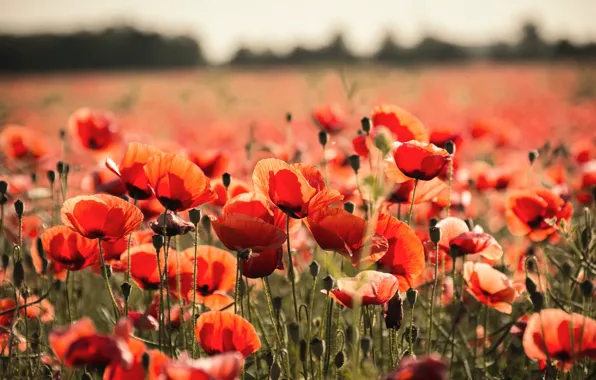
<point x="393" y="312"/>
<point x="533" y="155"/>
<point x="323" y="138"/>
<point x="567" y="268"/>
<point x="314" y="268"/>
<point x="435" y="234"/>
<point x="303" y="350"/>
<point x="206" y="222"/>
<point x="349" y="207"/>
<point x="450" y="147"/>
<point x="365" y="124"/>
<point x="174" y="225"/>
<point x="5" y="260"/>
<point x="195" y="216"/>
<point x="328" y="282"/>
<point x="411" y="296"/>
<point x="339" y="360"/>
<point x="294" y="331"/>
<point x="531" y="286"/>
<point x="275" y="371"/>
<point x="366" y="345"/>
<point x="277" y="303"/>
<point x="157" y="241"/>
<point x="3" y="187"/>
<point x="226" y="179"/>
<point x="587" y="288"/>
<point x="537" y="299"/>
<point x="354" y="161"/>
<point x="19" y="207"/>
<point x="18" y="274"/>
<point x="317" y="347"/>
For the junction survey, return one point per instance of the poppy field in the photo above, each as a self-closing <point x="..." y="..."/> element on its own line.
<point x="321" y="223"/>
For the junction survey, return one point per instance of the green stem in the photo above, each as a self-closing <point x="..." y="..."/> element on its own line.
<point x="291" y="274"/>
<point x="411" y="337"/>
<point x="432" y="301"/>
<point x="104" y="273"/>
<point x="68" y="296"/>
<point x="269" y="298"/>
<point x="412" y="203"/>
<point x="128" y="267"/>
<point x="485" y="338"/>
<point x="194" y="293"/>
<point x="309" y="323"/>
<point x="450" y="176"/>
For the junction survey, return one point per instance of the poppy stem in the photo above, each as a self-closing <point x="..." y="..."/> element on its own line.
<point x="194" y="293"/>
<point x="160" y="314"/>
<point x="128" y="267"/>
<point x="104" y="272"/>
<point x="268" y="298"/>
<point x="309" y="323"/>
<point x="450" y="179"/>
<point x="432" y="301"/>
<point x="68" y="296"/>
<point x="291" y="274"/>
<point x="412" y="203"/>
<point x="411" y="331"/>
<point x="237" y="286"/>
<point x="485" y="339"/>
<point x="328" y="334"/>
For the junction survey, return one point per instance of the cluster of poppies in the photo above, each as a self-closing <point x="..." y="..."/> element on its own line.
<point x="190" y="254"/>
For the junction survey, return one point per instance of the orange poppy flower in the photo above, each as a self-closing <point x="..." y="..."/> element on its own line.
<point x="219" y="332"/>
<point x="249" y="222"/>
<point x="174" y="316"/>
<point x="403" y="125"/>
<point x="426" y="191"/>
<point x="216" y="276"/>
<point x="19" y="142"/>
<point x="476" y="243"/>
<point x="426" y="368"/>
<point x="101" y="216"/>
<point x="405" y="256"/>
<point x="80" y="345"/>
<point x="298" y="189"/>
<point x="143" y="265"/>
<point x="131" y="170"/>
<point x="490" y="287"/>
<point x="329" y="118"/>
<point x="564" y="338"/>
<point x="212" y="163"/>
<point x="262" y="264"/>
<point x="94" y="130"/>
<point x="7" y="338"/>
<point x="177" y="183"/>
<point x="68" y="248"/>
<point x="236" y="188"/>
<point x="536" y="213"/>
<point x="226" y="366"/>
<point x="368" y="287"/>
<point x="335" y="229"/>
<point x="43" y="309"/>
<point x="418" y="160"/>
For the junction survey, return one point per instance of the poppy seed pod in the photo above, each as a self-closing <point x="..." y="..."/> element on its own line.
<point x="5" y="260"/>
<point x="314" y="268"/>
<point x="174" y="225"/>
<point x="51" y="175"/>
<point x="3" y="187"/>
<point x="537" y="299"/>
<point x="530" y="286"/>
<point x="414" y="334"/>
<point x="125" y="287"/>
<point x="323" y="138"/>
<point x="433" y="222"/>
<point x="567" y="268"/>
<point x="277" y="303"/>
<point x="533" y="155"/>
<point x="365" y="124"/>
<point x="349" y="207"/>
<point x="366" y="345"/>
<point x="394" y="312"/>
<point x="435" y="234"/>
<point x="275" y="371"/>
<point x="317" y="346"/>
<point x="354" y="161"/>
<point x="294" y="331"/>
<point x="60" y="167"/>
<point x="226" y="179"/>
<point x="586" y="237"/>
<point x="18" y="274"/>
<point x="157" y="241"/>
<point x="195" y="216"/>
<point x="450" y="147"/>
<point x="34" y="178"/>
<point x="411" y="296"/>
<point x="328" y="282"/>
<point x="289" y="117"/>
<point x="62" y="133"/>
<point x="339" y="360"/>
<point x="206" y="222"/>
<point x="587" y="288"/>
<point x="19" y="207"/>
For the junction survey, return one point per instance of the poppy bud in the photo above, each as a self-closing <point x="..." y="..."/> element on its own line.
<point x="19" y="207"/>
<point x="60" y="167"/>
<point x="226" y="179"/>
<point x="174" y="225"/>
<point x="195" y="216"/>
<point x="383" y="142"/>
<point x="349" y="333"/>
<point x="3" y="187"/>
<point x="537" y="299"/>
<point x="294" y="331"/>
<point x="328" y="282"/>
<point x="206" y="222"/>
<point x="18" y="274"/>
<point x="394" y="312"/>
<point x="450" y="147"/>
<point x="587" y="288"/>
<point x="57" y="284"/>
<point x="145" y="361"/>
<point x="586" y="237"/>
<point x="470" y="223"/>
<point x="533" y="155"/>
<point x="340" y="359"/>
<point x="157" y="241"/>
<point x="314" y="268"/>
<point x="51" y="176"/>
<point x="289" y="117"/>
<point x="5" y="260"/>
<point x="323" y="137"/>
<point x="106" y="271"/>
<point x="86" y="376"/>
<point x="35" y="341"/>
<point x="433" y="222"/>
<point x="349" y="207"/>
<point x="125" y="287"/>
<point x="414" y="334"/>
<point x="567" y="268"/>
<point x="435" y="234"/>
<point x="241" y="289"/>
<point x="34" y="178"/>
<point x="317" y="346"/>
<point x="66" y="169"/>
<point x="277" y="303"/>
<point x="303" y="350"/>
<point x="531" y="286"/>
<point x="354" y="161"/>
<point x="366" y="345"/>
<point x="412" y="295"/>
<point x="365" y="124"/>
<point x="587" y="215"/>
<point x="62" y="133"/>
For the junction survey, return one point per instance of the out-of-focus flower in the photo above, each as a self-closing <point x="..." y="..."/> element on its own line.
<point x="226" y="366"/>
<point x="490" y="287"/>
<point x="330" y="119"/>
<point x="18" y="143"/>
<point x="219" y="332"/>
<point x="130" y="170"/>
<point x="426" y="368"/>
<point x="403" y="125"/>
<point x="367" y="288"/>
<point x="67" y="247"/>
<point x="94" y="130"/>
<point x="212" y="162"/>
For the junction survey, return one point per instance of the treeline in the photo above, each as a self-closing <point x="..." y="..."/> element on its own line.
<point x="128" y="48"/>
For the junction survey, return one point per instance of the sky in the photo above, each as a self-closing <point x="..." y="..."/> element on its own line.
<point x="223" y="25"/>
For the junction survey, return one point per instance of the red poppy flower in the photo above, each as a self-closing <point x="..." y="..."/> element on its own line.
<point x="94" y="130"/>
<point x="177" y="183"/>
<point x="143" y="265"/>
<point x="418" y="160"/>
<point x="226" y="366"/>
<point x="18" y="142"/>
<point x="131" y="170"/>
<point x="236" y="188"/>
<point x="439" y="137"/>
<point x="249" y="222"/>
<point x="490" y="178"/>
<point x="329" y="118"/>
<point x="7" y="338"/>
<point x="335" y="229"/>
<point x="368" y="287"/>
<point x="426" y="368"/>
<point x="174" y="316"/>
<point x="212" y="163"/>
<point x="298" y="190"/>
<point x="361" y="145"/>
<point x="262" y="264"/>
<point x="490" y="287"/>
<point x="68" y="248"/>
<point x="477" y="243"/>
<point x="157" y="361"/>
<point x="216" y="276"/>
<point x="401" y="123"/>
<point x="426" y="191"/>
<point x="6" y="320"/>
<point x="565" y="338"/>
<point x="219" y="332"/>
<point x="143" y="321"/>
<point x="80" y="345"/>
<point x="536" y="213"/>
<point x="405" y="256"/>
<point x="101" y="216"/>
<point x="43" y="309"/>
